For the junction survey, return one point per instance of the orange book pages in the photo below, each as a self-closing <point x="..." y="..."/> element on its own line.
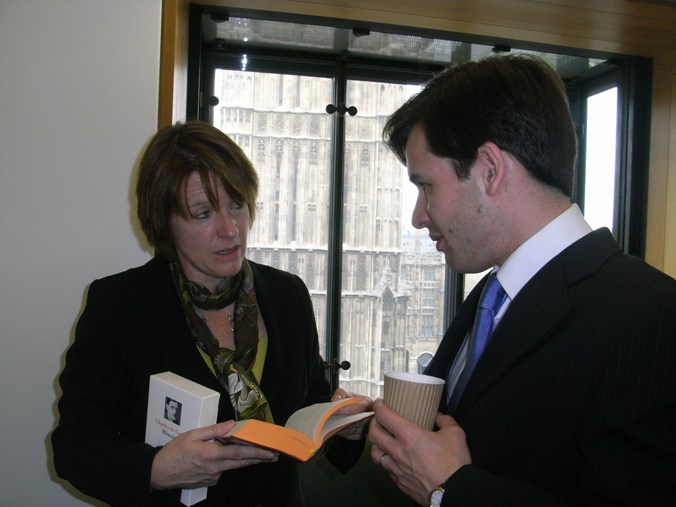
<point x="312" y="420"/>
<point x="274" y="437"/>
<point x="336" y="423"/>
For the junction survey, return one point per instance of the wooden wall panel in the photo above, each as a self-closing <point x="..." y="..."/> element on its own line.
<point x="670" y="177"/>
<point x="619" y="26"/>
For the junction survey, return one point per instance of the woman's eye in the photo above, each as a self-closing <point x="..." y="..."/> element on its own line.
<point x="201" y="215"/>
<point x="235" y="207"/>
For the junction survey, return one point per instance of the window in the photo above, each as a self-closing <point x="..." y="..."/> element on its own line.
<point x="600" y="161"/>
<point x="307" y="102"/>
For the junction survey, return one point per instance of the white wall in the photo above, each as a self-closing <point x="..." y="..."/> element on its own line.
<point x="78" y="101"/>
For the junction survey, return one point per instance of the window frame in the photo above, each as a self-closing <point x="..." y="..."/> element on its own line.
<point x="631" y="75"/>
<point x="633" y="141"/>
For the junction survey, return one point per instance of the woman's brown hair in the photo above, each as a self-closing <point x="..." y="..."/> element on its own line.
<point x="173" y="154"/>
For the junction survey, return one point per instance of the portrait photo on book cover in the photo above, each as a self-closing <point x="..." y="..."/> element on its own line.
<point x="172" y="410"/>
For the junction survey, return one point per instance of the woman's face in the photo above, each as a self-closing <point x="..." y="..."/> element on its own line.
<point x="210" y="243"/>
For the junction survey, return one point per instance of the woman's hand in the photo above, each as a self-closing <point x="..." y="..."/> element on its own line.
<point x="358" y="430"/>
<point x="193" y="459"/>
<point x="364" y="404"/>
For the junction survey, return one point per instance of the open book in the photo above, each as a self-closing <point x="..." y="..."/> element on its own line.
<point x="304" y="433"/>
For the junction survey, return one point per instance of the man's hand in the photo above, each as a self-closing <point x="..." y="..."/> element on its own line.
<point x="417" y="460"/>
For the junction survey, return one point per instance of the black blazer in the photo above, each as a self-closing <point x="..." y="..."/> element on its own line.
<point x="574" y="399"/>
<point x="133" y="326"/>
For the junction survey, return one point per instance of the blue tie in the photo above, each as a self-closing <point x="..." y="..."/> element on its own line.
<point x="492" y="297"/>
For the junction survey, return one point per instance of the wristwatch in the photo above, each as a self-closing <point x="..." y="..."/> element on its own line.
<point x="436" y="496"/>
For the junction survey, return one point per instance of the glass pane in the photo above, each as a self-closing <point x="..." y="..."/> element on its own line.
<point x="270" y="33"/>
<point x="392" y="277"/>
<point x="392" y="314"/>
<point x="280" y="121"/>
<point x="470" y="281"/>
<point x="599" y="182"/>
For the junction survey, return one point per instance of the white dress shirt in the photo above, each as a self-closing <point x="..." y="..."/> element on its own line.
<point x="524" y="263"/>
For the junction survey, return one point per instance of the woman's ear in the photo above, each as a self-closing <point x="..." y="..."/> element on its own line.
<point x="492" y="163"/>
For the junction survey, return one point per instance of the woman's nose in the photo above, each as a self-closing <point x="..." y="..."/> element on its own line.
<point x="227" y="225"/>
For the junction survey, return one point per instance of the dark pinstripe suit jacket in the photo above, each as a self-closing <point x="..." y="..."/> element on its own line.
<point x="133" y="326"/>
<point x="574" y="400"/>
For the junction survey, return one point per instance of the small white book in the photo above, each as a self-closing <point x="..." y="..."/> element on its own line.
<point x="176" y="405"/>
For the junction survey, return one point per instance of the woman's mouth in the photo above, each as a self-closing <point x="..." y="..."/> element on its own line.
<point x="226" y="251"/>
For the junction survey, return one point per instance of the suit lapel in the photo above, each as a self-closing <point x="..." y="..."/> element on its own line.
<point x="453" y="338"/>
<point x="175" y="344"/>
<point x="537" y="309"/>
<point x="275" y="370"/>
<point x="182" y="356"/>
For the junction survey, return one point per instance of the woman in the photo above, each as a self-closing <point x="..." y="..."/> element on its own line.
<point x="199" y="308"/>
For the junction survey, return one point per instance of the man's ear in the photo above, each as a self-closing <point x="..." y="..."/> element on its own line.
<point x="492" y="163"/>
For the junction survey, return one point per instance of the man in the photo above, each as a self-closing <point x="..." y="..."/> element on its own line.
<point x="573" y="399"/>
<point x="172" y="411"/>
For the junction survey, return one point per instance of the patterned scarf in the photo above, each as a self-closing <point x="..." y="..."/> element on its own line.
<point x="234" y="368"/>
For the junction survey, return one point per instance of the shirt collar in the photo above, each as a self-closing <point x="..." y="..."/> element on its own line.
<point x="540" y="248"/>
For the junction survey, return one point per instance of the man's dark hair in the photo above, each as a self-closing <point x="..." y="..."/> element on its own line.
<point x="517" y="102"/>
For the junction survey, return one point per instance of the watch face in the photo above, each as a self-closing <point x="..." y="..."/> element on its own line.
<point x="436" y="497"/>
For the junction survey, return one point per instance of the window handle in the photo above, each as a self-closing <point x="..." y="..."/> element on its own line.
<point x="341" y="109"/>
<point x="335" y="365"/>
<point x="211" y="101"/>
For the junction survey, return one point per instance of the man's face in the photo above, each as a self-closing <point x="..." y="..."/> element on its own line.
<point x="453" y="211"/>
<point x="172" y="410"/>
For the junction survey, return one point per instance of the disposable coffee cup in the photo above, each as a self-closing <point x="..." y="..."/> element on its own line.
<point x="413" y="396"/>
